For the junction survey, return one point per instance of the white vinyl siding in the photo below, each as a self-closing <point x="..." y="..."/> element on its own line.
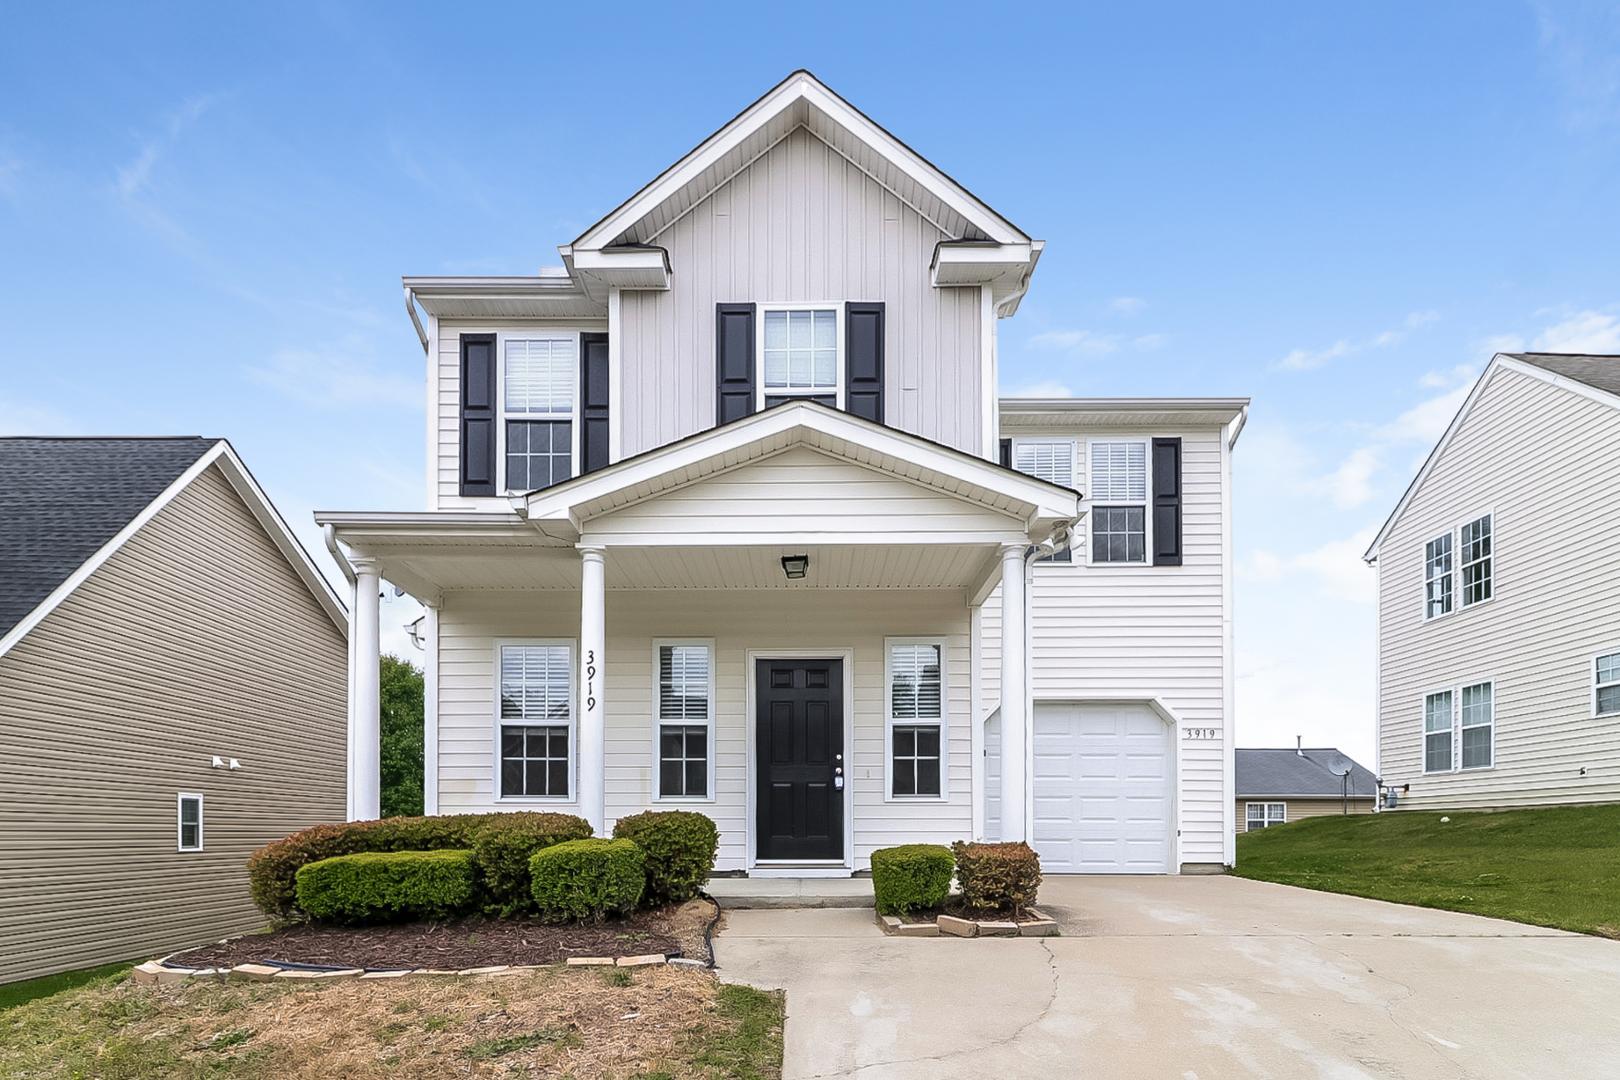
<point x="917" y="767"/>
<point x="1260" y="815"/>
<point x="1606" y="685"/>
<point x="684" y="735"/>
<point x="1526" y="453"/>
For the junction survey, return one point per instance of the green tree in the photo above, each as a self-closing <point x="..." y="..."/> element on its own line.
<point x="401" y="724"/>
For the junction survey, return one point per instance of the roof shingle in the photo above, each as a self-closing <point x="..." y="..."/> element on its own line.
<point x="1310" y="772"/>
<point x="1602" y="372"/>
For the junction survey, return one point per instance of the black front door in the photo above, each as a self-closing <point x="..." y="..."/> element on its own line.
<point x="800" y="742"/>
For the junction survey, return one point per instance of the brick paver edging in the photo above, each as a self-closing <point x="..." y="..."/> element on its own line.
<point x="1040" y="925"/>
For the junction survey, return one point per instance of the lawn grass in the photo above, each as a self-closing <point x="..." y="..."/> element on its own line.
<point x="13" y="994"/>
<point x="1557" y="867"/>
<point x="664" y="1024"/>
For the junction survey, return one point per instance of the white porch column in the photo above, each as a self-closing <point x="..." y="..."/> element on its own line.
<point x="592" y="651"/>
<point x="365" y="731"/>
<point x="1014" y="722"/>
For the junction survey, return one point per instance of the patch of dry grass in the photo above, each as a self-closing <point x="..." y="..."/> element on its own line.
<point x="560" y="1022"/>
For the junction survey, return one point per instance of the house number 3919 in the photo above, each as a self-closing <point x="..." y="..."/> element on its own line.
<point x="1201" y="733"/>
<point x="590" y="680"/>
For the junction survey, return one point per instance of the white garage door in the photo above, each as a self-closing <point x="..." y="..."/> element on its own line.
<point x="1102" y="785"/>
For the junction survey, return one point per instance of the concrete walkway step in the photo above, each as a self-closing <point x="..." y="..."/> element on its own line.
<point x="783" y="892"/>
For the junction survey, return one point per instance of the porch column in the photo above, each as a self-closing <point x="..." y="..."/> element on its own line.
<point x="592" y="650"/>
<point x="365" y="731"/>
<point x="1014" y="649"/>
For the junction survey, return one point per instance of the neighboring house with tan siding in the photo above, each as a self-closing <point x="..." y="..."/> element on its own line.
<point x="1275" y="787"/>
<point x="172" y="695"/>
<point x="1499" y="597"/>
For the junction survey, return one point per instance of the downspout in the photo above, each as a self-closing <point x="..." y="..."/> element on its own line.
<point x="342" y="560"/>
<point x="416" y="321"/>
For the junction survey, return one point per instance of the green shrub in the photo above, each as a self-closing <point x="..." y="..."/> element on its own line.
<point x="679" y="846"/>
<point x="912" y="877"/>
<point x="997" y="877"/>
<point x="502" y="850"/>
<point x="273" y="868"/>
<point x="587" y="879"/>
<point x="388" y="886"/>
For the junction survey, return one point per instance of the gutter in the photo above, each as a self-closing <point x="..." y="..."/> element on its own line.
<point x="416" y="321"/>
<point x="342" y="560"/>
<point x="1238" y="424"/>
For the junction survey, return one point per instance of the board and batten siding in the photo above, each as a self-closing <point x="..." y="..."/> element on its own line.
<point x="802" y="225"/>
<point x="1300" y="809"/>
<point x="194" y="639"/>
<point x="795" y="622"/>
<point x="1139" y="632"/>
<point x="1542" y="459"/>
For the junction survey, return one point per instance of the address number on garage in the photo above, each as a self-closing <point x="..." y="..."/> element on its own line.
<point x="1200" y="734"/>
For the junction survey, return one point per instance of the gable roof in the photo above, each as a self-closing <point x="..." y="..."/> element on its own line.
<point x="1579" y="373"/>
<point x="800" y="100"/>
<point x="1311" y="772"/>
<point x="67" y="504"/>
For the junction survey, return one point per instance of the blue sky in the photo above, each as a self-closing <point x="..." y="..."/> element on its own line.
<point x="1337" y="210"/>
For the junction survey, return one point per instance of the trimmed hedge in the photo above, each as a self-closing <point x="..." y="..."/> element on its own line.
<point x="502" y="850"/>
<point x="680" y="848"/>
<point x="911" y="877"/>
<point x="587" y="879"/>
<point x="388" y="886"/>
<point x="997" y="877"/>
<point x="272" y="870"/>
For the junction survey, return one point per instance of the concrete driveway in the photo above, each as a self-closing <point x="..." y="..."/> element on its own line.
<point x="1190" y="978"/>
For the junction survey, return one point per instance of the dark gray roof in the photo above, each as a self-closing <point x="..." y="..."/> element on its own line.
<point x="62" y="499"/>
<point x="1602" y="372"/>
<point x="1312" y="771"/>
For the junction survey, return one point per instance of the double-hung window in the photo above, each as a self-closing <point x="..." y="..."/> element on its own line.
<point x="1051" y="460"/>
<point x="190" y="824"/>
<point x="1606" y="685"/>
<point x="1459" y="728"/>
<point x="1474" y="557"/>
<point x="916" y="719"/>
<point x="1437" y="576"/>
<point x="1118" y="471"/>
<point x="1457" y="568"/>
<point x="535" y="718"/>
<point x="685" y="691"/>
<point x="1259" y="815"/>
<point x="537" y="407"/>
<point x="800" y="349"/>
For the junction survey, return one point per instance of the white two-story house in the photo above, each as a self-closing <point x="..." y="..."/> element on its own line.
<point x="724" y="515"/>
<point x="1499" y="597"/>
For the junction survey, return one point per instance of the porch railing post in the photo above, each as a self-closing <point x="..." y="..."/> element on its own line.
<point x="592" y="668"/>
<point x="1014" y="722"/>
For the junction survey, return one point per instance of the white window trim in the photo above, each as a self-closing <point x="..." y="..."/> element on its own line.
<point x="549" y="333"/>
<point x="1074" y="473"/>
<point x="1265" y="814"/>
<point x="1596" y="686"/>
<point x="761" y="392"/>
<point x="1147" y="503"/>
<point x="890" y="723"/>
<point x="573" y="724"/>
<point x="179" y="827"/>
<point x="1456" y="723"/>
<point x="1455" y="532"/>
<point x="658" y="722"/>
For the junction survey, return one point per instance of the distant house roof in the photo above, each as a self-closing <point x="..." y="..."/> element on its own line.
<point x="1603" y="372"/>
<point x="1313" y="772"/>
<point x="61" y="500"/>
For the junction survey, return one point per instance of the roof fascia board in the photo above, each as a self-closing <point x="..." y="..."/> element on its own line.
<point x="1226" y="407"/>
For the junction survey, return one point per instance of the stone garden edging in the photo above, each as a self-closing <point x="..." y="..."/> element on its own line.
<point x="1038" y="925"/>
<point x="160" y="972"/>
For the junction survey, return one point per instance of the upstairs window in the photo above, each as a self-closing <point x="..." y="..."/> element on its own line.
<point x="1437" y="577"/>
<point x="801" y="355"/>
<point x="536" y="720"/>
<point x="1476" y="561"/>
<point x="1606" y="685"/>
<point x="1457" y="568"/>
<point x="916" y="720"/>
<point x="1051" y="460"/>
<point x="1260" y="815"/>
<point x="685" y="719"/>
<point x="190" y="826"/>
<point x="537" y="407"/>
<point x="1119" y="497"/>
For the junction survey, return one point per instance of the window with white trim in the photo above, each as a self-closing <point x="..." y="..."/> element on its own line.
<point x="1051" y="460"/>
<point x="801" y="354"/>
<point x="189" y="827"/>
<point x="1474" y="559"/>
<point x="536" y="721"/>
<point x="1606" y="685"/>
<point x="1260" y="815"/>
<point x="537" y="409"/>
<point x="1459" y="728"/>
<point x="1437" y="725"/>
<point x="1477" y="719"/>
<point x="1118" y="495"/>
<point x="685" y="719"/>
<point x="1437" y="576"/>
<point x="916" y="719"/>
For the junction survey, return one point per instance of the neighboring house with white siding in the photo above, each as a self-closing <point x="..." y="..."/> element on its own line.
<point x="1276" y="786"/>
<point x="1499" y="597"/>
<point x="724" y="514"/>
<point x="172" y="671"/>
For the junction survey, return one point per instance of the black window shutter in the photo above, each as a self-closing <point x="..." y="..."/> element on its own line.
<point x="733" y="361"/>
<point x="478" y="414"/>
<point x="1006" y="452"/>
<point x="1166" y="502"/>
<point x="863" y="360"/>
<point x="593" y="384"/>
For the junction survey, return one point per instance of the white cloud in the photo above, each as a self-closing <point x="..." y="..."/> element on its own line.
<point x="1427" y="420"/>
<point x="1127" y="305"/>
<point x="1334" y="569"/>
<point x="1440" y="380"/>
<point x="1043" y="388"/>
<point x="1583" y="332"/>
<point x="1351" y="484"/>
<point x="1077" y="341"/>
<point x="335" y="379"/>
<point x="1310" y="359"/>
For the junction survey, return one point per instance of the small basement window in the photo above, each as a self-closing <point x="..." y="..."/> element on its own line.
<point x="191" y="822"/>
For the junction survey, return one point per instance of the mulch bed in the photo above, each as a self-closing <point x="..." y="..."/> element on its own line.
<point x="476" y="941"/>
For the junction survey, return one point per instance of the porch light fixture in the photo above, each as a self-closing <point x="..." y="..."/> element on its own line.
<point x="795" y="566"/>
